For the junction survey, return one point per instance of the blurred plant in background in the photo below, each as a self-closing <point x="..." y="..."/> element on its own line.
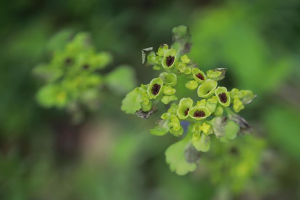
<point x="72" y="78"/>
<point x="45" y="156"/>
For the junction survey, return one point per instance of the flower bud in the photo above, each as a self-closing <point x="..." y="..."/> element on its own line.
<point x="167" y="99"/>
<point x="237" y="105"/>
<point x="211" y="103"/>
<point x="161" y="50"/>
<point x="185" y="59"/>
<point x="219" y="111"/>
<point x="168" y="90"/>
<point x="191" y="85"/>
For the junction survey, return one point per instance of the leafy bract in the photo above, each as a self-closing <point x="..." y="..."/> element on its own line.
<point x="132" y="102"/>
<point x="176" y="157"/>
<point x="161" y="128"/>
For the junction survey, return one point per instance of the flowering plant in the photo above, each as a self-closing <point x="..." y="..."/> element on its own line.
<point x="212" y="113"/>
<point x="72" y="79"/>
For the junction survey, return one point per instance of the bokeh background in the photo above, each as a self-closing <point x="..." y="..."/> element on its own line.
<point x="111" y="155"/>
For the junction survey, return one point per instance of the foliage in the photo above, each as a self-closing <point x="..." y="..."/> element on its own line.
<point x="210" y="114"/>
<point x="72" y="78"/>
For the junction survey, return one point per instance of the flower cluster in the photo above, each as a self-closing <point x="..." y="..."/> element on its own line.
<point x="70" y="76"/>
<point x="72" y="79"/>
<point x="211" y="113"/>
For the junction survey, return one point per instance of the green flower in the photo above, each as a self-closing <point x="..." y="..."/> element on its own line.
<point x="169" y="59"/>
<point x="216" y="74"/>
<point x="202" y="102"/>
<point x="161" y="50"/>
<point x="219" y="111"/>
<point x="211" y="103"/>
<point x="237" y="105"/>
<point x="196" y="128"/>
<point x="151" y="58"/>
<point x="248" y="96"/>
<point x="201" y="142"/>
<point x="185" y="59"/>
<point x="199" y="112"/>
<point x="176" y="128"/>
<point x="156" y="67"/>
<point x="191" y="85"/>
<point x="206" y="129"/>
<point x="198" y="75"/>
<point x="223" y="95"/>
<point x="167" y="99"/>
<point x="213" y="74"/>
<point x="206" y="89"/>
<point x="169" y="78"/>
<point x="185" y="105"/>
<point x="236" y="93"/>
<point x="188" y="71"/>
<point x="181" y="67"/>
<point x="155" y="88"/>
<point x="168" y="90"/>
<point x="200" y="139"/>
<point x="173" y="109"/>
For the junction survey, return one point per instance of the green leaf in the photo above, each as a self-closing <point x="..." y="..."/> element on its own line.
<point x="51" y="95"/>
<point x="226" y="129"/>
<point x="231" y="130"/>
<point x="161" y="128"/>
<point x="202" y="144"/>
<point x="132" y="102"/>
<point x="178" y="156"/>
<point x="121" y="80"/>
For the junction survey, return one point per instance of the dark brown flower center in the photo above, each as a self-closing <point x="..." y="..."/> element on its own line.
<point x="223" y="97"/>
<point x="200" y="76"/>
<point x="199" y="113"/>
<point x="155" y="89"/>
<point x="86" y="66"/>
<point x="68" y="61"/>
<point x="170" y="60"/>
<point x="186" y="111"/>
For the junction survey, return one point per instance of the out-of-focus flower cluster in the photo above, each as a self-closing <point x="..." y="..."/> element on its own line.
<point x="70" y="76"/>
<point x="72" y="79"/>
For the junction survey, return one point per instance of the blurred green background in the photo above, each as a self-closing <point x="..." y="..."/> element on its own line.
<point x="112" y="155"/>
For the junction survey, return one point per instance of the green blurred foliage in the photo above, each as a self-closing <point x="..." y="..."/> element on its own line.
<point x="43" y="156"/>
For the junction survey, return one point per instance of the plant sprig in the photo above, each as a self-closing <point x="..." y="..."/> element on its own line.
<point x="213" y="113"/>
